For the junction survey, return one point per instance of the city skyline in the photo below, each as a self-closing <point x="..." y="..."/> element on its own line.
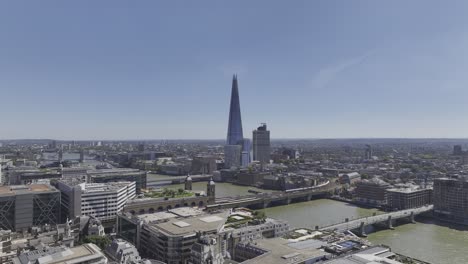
<point x="91" y="71"/>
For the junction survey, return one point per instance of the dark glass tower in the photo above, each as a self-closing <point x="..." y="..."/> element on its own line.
<point x="234" y="134"/>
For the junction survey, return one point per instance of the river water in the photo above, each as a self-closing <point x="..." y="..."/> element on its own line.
<point x="427" y="240"/>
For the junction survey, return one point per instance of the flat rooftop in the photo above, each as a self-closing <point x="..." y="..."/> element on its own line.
<point x="282" y="251"/>
<point x="406" y="190"/>
<point x="21" y="189"/>
<point x="155" y="217"/>
<point x="60" y="255"/>
<point x="186" y="226"/>
<point x="372" y="255"/>
<point x="103" y="187"/>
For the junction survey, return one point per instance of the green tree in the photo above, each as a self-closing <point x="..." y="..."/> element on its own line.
<point x="100" y="241"/>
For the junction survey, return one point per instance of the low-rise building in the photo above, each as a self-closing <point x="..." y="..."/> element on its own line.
<point x="84" y="254"/>
<point x="269" y="229"/>
<point x="280" y="251"/>
<point x="120" y="251"/>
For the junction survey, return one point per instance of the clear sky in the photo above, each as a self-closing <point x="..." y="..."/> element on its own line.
<point x="163" y="69"/>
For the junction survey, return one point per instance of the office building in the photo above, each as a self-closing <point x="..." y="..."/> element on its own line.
<point x="235" y="134"/>
<point x="236" y="156"/>
<point x="24" y="206"/>
<point x="280" y="251"/>
<point x="261" y="144"/>
<point x="450" y="200"/>
<point x="84" y="254"/>
<point x="169" y="236"/>
<point x="74" y="172"/>
<point x="117" y="175"/>
<point x="18" y="176"/>
<point x="406" y="198"/>
<point x="372" y="192"/>
<point x="100" y="200"/>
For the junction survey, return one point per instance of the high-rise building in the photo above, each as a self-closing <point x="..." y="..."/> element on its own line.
<point x="368" y="152"/>
<point x="235" y="135"/>
<point x="261" y="144"/>
<point x="450" y="200"/>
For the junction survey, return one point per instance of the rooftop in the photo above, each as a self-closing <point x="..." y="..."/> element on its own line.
<point x="21" y="189"/>
<point x="191" y="225"/>
<point x="59" y="255"/>
<point x="96" y="187"/>
<point x="406" y="190"/>
<point x="280" y="250"/>
<point x="372" y="255"/>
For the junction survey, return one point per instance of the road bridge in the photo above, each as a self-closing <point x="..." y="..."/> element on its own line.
<point x="387" y="220"/>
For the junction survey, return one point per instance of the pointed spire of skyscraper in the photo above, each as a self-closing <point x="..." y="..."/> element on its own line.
<point x="234" y="135"/>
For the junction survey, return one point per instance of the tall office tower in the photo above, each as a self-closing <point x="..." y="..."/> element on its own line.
<point x="368" y="152"/>
<point x="449" y="197"/>
<point x="261" y="144"/>
<point x="81" y="156"/>
<point x="237" y="149"/>
<point x="235" y="134"/>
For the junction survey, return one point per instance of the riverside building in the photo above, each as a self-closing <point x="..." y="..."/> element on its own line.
<point x="450" y="200"/>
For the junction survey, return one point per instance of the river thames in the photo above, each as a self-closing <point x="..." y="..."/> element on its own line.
<point x="427" y="240"/>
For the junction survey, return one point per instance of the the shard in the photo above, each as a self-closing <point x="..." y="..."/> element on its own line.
<point x="234" y="134"/>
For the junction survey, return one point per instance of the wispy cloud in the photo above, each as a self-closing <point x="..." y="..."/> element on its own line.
<point x="326" y="75"/>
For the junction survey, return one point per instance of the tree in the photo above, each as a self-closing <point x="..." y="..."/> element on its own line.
<point x="100" y="241"/>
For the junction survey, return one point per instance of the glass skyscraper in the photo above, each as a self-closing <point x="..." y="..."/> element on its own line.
<point x="235" y="135"/>
<point x="240" y="155"/>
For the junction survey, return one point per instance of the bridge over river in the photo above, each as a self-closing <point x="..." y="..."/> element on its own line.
<point x="264" y="200"/>
<point x="387" y="220"/>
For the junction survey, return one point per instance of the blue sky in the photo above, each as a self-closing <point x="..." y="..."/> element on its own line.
<point x="163" y="69"/>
